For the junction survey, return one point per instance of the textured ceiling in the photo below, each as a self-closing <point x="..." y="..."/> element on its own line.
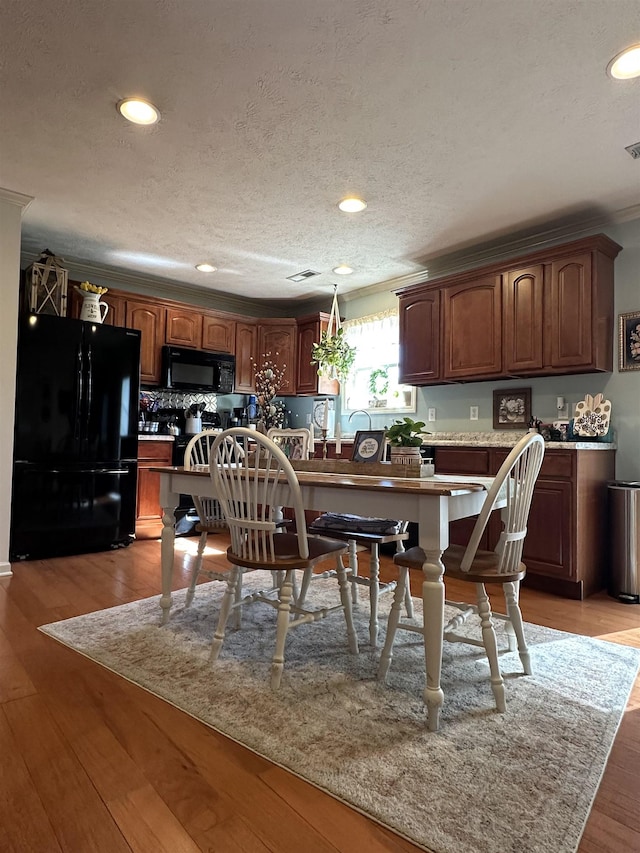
<point x="457" y="120"/>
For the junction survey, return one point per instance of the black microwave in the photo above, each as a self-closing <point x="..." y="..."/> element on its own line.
<point x="195" y="370"/>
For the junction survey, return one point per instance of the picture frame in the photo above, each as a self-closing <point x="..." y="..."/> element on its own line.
<point x="368" y="445"/>
<point x="511" y="408"/>
<point x="629" y="341"/>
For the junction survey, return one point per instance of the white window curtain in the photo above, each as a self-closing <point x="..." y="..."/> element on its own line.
<point x="375" y="338"/>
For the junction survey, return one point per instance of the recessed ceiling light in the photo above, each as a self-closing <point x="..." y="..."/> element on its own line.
<point x="343" y="269"/>
<point x="352" y="205"/>
<point x="138" y="111"/>
<point x="626" y="64"/>
<point x="206" y="268"/>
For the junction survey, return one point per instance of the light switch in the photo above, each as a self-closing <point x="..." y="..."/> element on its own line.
<point x="473" y="413"/>
<point x="431" y="415"/>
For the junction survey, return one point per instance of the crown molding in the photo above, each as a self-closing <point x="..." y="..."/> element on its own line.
<point x="19" y="199"/>
<point x="496" y="251"/>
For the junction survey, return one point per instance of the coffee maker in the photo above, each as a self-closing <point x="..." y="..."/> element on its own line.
<point x="239" y="417"/>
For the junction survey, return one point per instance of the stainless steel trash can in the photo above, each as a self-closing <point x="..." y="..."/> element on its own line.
<point x="624" y="538"/>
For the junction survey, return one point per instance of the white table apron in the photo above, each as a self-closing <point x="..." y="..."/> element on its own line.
<point x="431" y="510"/>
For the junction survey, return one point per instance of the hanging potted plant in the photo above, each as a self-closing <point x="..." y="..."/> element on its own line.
<point x="405" y="438"/>
<point x="332" y="353"/>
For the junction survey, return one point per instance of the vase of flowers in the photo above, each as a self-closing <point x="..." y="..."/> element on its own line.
<point x="267" y="382"/>
<point x="92" y="310"/>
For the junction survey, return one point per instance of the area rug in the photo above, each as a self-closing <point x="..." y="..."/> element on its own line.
<point x="523" y="781"/>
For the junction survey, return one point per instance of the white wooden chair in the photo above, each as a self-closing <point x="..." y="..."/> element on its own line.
<point x="248" y="487"/>
<point x="504" y="566"/>
<point x="211" y="519"/>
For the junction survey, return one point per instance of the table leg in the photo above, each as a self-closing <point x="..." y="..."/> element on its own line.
<point x="167" y="540"/>
<point x="433" y="609"/>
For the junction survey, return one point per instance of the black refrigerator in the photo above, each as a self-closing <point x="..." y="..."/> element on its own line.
<point x="75" y="443"/>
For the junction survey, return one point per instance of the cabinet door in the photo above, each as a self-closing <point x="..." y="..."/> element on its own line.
<point x="150" y="319"/>
<point x="472" y="314"/>
<point x="547" y="548"/>
<point x="523" y="301"/>
<point x="148" y="509"/>
<point x="569" y="312"/>
<point x="218" y="333"/>
<point x="184" y="327"/>
<point x="308" y="381"/>
<point x="464" y="460"/>
<point x="280" y="340"/>
<point x="420" y="338"/>
<point x="246" y="346"/>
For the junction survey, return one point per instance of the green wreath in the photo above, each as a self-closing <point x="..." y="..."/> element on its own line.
<point x="379" y="382"/>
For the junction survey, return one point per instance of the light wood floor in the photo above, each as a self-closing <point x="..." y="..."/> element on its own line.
<point x="89" y="762"/>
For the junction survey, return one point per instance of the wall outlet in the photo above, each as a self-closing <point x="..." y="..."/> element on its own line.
<point x="473" y="413"/>
<point x="308" y="418"/>
<point x="431" y="415"/>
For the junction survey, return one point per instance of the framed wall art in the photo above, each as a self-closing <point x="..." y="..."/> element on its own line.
<point x="368" y="445"/>
<point x="629" y="341"/>
<point x="511" y="408"/>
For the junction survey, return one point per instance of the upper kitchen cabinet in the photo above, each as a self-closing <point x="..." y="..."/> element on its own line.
<point x="523" y="292"/>
<point x="218" y="333"/>
<point x="548" y="313"/>
<point x="420" y="338"/>
<point x="150" y="318"/>
<point x="472" y="323"/>
<point x="308" y="382"/>
<point x="246" y="347"/>
<point x="184" y="327"/>
<point x="278" y="341"/>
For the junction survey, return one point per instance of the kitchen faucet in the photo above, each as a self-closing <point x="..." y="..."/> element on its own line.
<point x="360" y="411"/>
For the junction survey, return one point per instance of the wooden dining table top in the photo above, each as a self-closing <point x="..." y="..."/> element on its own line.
<point x="439" y="484"/>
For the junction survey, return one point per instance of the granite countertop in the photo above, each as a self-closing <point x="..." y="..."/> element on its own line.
<point x="508" y="438"/>
<point x="154" y="436"/>
<point x="497" y="438"/>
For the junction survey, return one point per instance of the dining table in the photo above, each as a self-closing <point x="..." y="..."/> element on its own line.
<point x="432" y="502"/>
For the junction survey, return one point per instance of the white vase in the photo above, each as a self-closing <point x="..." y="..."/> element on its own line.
<point x="92" y="309"/>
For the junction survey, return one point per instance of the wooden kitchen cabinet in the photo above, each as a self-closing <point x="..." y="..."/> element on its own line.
<point x="246" y="348"/>
<point x="472" y="322"/>
<point x="184" y="327"/>
<point x="218" y="333"/>
<point x="419" y="322"/>
<point x="150" y="319"/>
<point x="151" y="454"/>
<point x="280" y="339"/>
<point x="565" y="550"/>
<point x="307" y="381"/>
<point x="544" y="314"/>
<point x="523" y="292"/>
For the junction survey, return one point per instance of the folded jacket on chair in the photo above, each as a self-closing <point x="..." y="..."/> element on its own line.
<point x="357" y="523"/>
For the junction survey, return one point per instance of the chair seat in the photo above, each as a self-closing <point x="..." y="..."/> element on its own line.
<point x="484" y="567"/>
<point x="287" y="555"/>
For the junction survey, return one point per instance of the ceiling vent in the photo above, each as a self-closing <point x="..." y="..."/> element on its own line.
<point x="300" y="276"/>
<point x="634" y="150"/>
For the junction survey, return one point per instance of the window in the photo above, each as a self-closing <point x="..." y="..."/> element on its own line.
<point x="373" y="381"/>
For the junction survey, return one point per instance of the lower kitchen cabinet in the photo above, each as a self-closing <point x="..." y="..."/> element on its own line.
<point x="565" y="550"/>
<point x="151" y="454"/>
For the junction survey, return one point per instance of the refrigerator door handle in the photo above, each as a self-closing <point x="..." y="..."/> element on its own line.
<point x="90" y="471"/>
<point x="79" y="392"/>
<point x="89" y="387"/>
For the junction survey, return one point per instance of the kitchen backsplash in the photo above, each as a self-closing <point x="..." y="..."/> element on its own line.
<point x="182" y="399"/>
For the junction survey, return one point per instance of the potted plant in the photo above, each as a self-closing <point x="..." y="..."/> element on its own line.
<point x="334" y="355"/>
<point x="405" y="437"/>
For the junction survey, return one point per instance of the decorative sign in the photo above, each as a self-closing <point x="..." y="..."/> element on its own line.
<point x="368" y="446"/>
<point x="592" y="416"/>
